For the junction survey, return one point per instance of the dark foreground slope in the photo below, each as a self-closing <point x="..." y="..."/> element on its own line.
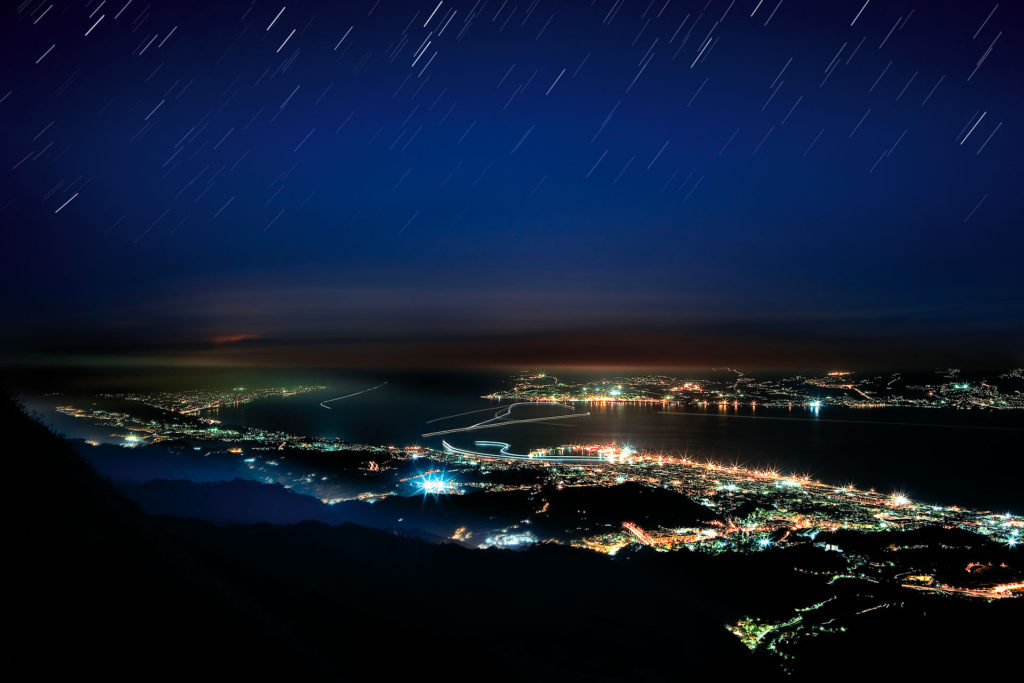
<point x="568" y="513"/>
<point x="104" y="588"/>
<point x="99" y="586"/>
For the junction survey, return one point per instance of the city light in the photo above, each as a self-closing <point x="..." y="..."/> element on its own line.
<point x="435" y="485"/>
<point x="748" y="509"/>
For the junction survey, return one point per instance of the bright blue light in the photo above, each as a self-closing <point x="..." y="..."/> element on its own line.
<point x="765" y="542"/>
<point x="434" y="484"/>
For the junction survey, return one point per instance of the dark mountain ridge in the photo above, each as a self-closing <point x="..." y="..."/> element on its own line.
<point x="115" y="590"/>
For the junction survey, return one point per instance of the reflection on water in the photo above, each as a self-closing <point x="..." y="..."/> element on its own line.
<point x="954" y="457"/>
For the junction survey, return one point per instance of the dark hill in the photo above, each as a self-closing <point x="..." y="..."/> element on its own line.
<point x="929" y="536"/>
<point x="107" y="589"/>
<point x="594" y="506"/>
<point x="244" y="501"/>
<point x="101" y="587"/>
<point x="241" y="501"/>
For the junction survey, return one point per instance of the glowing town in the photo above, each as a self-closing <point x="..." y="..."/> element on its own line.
<point x="610" y="498"/>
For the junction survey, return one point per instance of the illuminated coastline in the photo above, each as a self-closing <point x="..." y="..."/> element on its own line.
<point x="735" y="511"/>
<point x="729" y="387"/>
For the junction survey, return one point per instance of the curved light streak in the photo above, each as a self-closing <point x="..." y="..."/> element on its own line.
<point x="505" y="454"/>
<point x="468" y="412"/>
<point x="489" y="424"/>
<point x="332" y="400"/>
<point x="502" y="413"/>
<point x="508" y="410"/>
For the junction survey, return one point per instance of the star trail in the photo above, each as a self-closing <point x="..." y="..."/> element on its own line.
<point x="743" y="174"/>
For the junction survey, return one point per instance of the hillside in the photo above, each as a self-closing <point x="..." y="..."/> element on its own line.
<point x="113" y="589"/>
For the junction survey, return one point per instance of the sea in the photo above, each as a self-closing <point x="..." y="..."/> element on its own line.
<point x="972" y="458"/>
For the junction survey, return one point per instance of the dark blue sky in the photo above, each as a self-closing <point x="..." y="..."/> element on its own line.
<point x="748" y="182"/>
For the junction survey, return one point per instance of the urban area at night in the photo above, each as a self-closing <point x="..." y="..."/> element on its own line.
<point x="513" y="340"/>
<point x="865" y="548"/>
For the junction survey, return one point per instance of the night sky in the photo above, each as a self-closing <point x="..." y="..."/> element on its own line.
<point x="616" y="181"/>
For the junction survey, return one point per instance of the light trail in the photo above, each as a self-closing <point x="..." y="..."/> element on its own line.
<point x="498" y="415"/>
<point x="484" y="410"/>
<point x="508" y="410"/>
<point x="324" y="403"/>
<point x="866" y="422"/>
<point x="504" y="454"/>
<point x="468" y="412"/>
<point x="489" y="424"/>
